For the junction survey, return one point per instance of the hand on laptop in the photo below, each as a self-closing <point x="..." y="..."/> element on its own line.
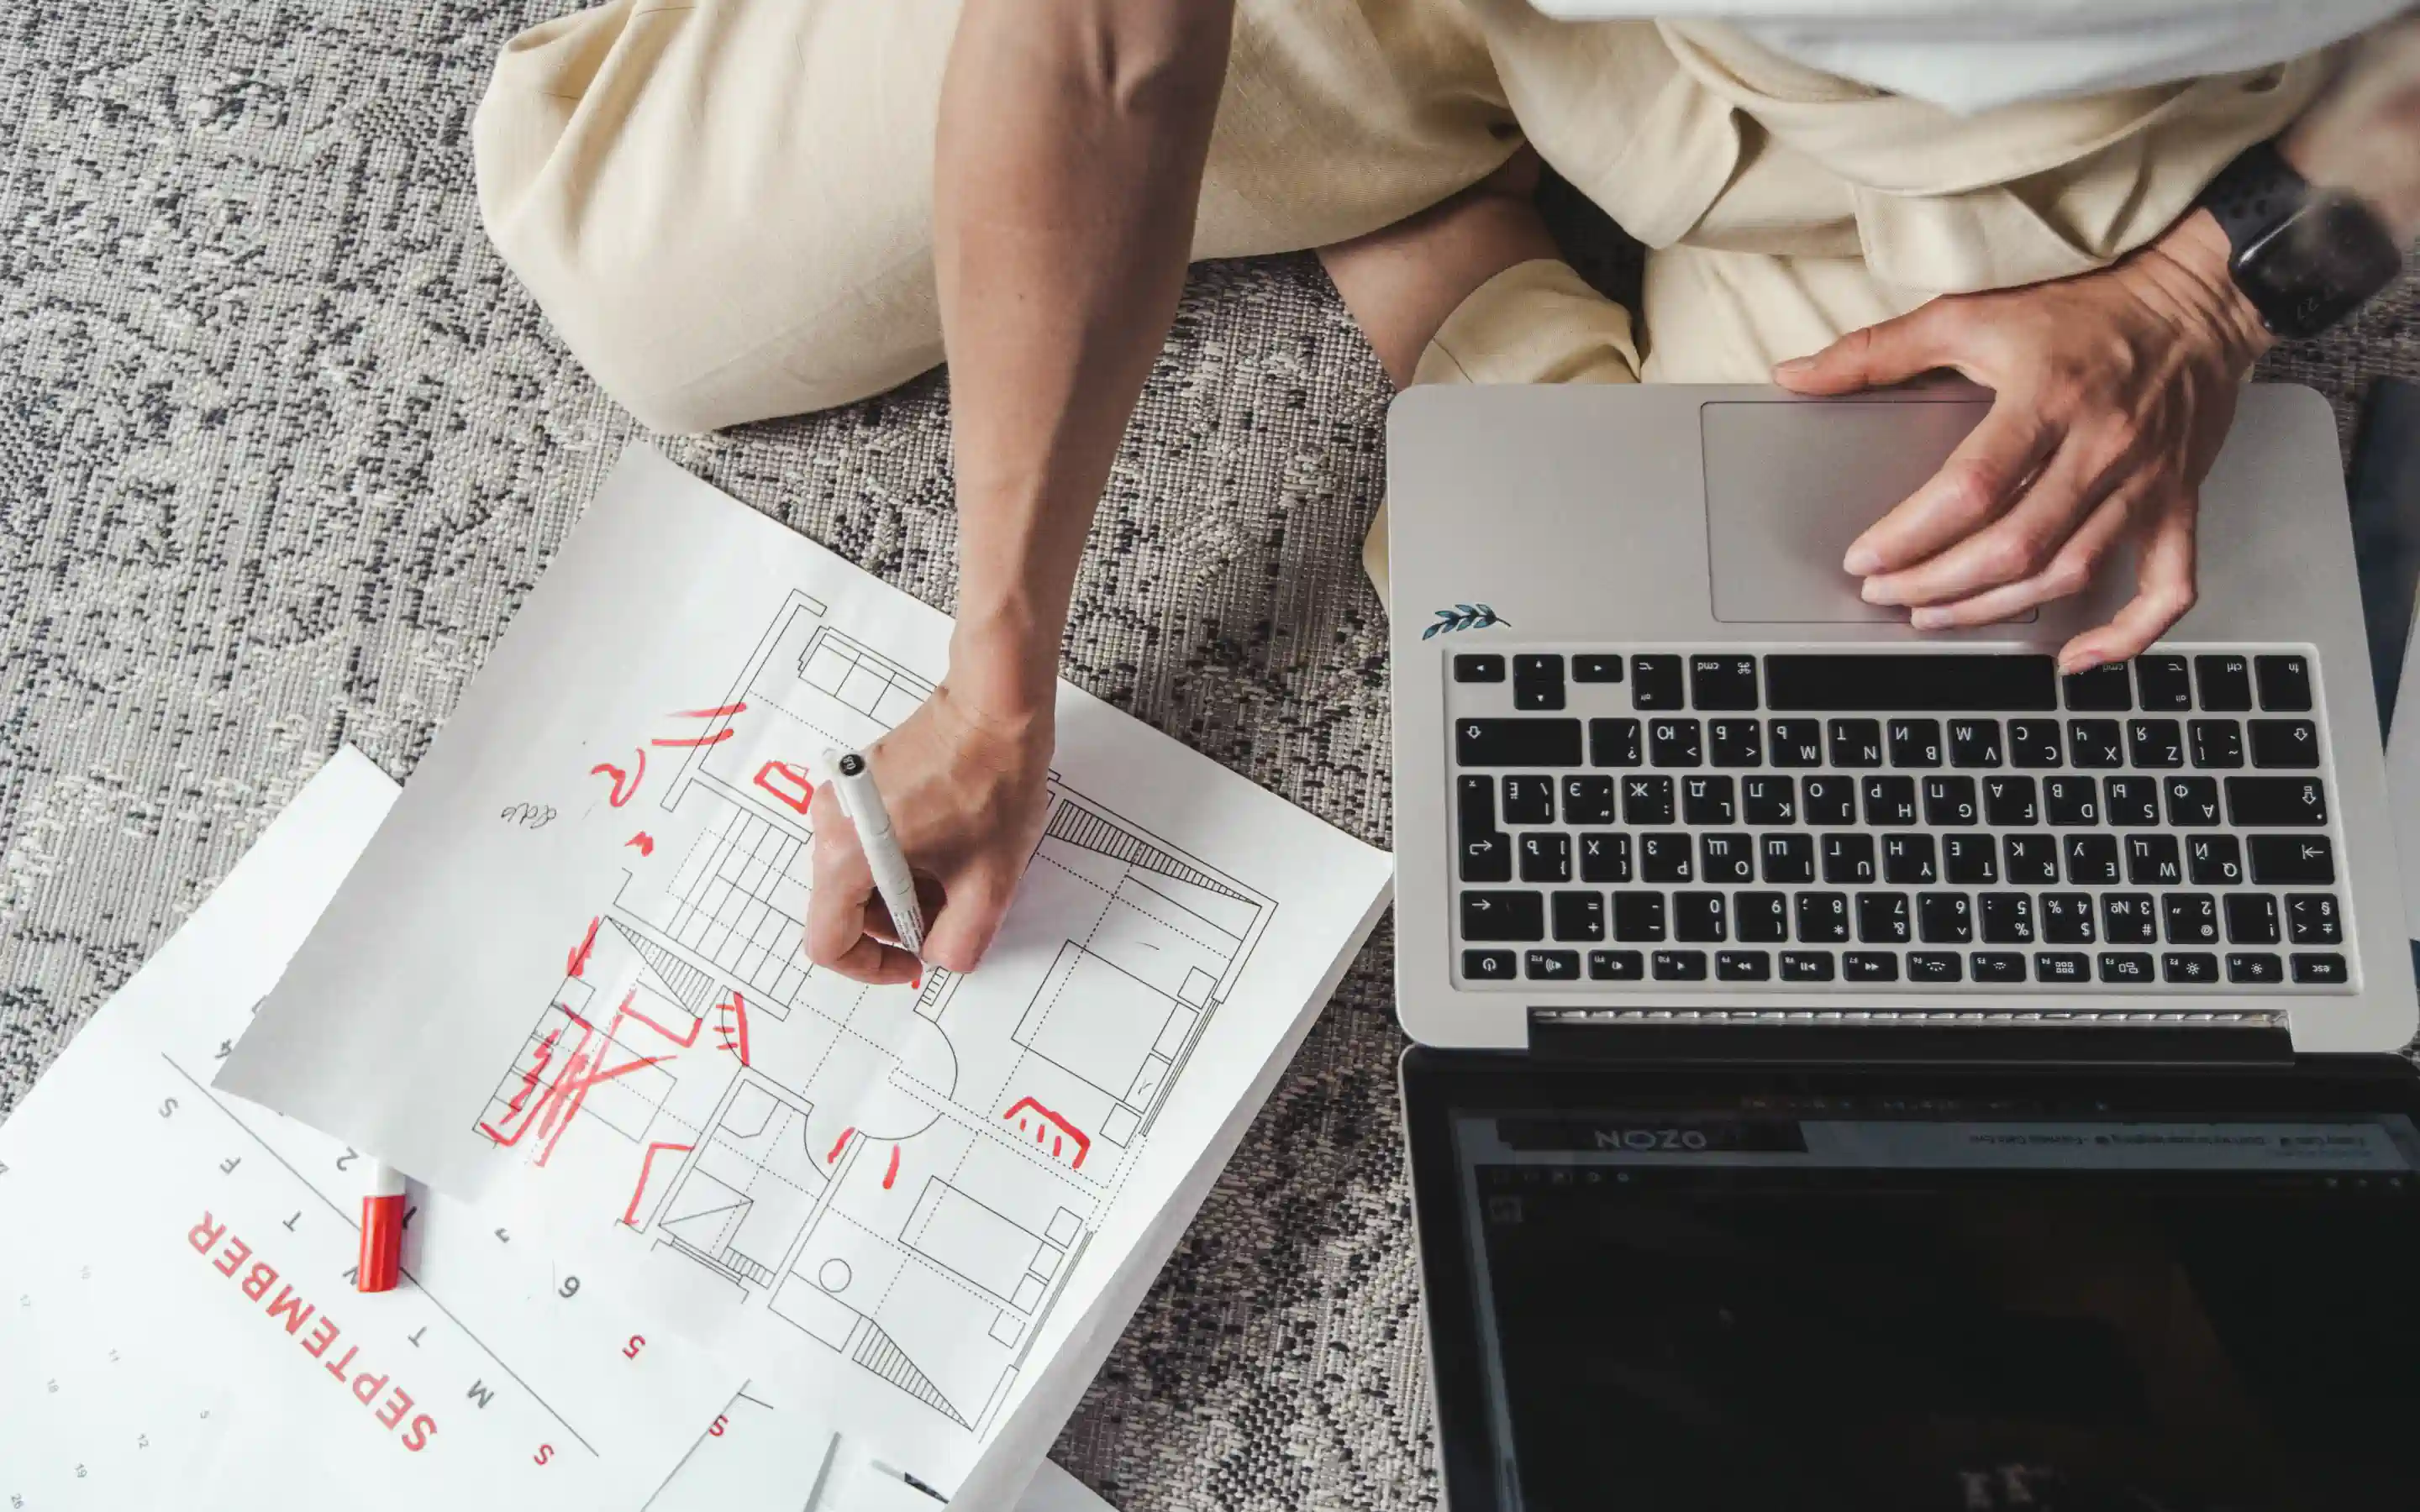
<point x="968" y="800"/>
<point x="2114" y="391"/>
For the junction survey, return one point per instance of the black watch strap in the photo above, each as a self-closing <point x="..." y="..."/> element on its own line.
<point x="2252" y="195"/>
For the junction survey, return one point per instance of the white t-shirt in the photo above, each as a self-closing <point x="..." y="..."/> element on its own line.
<point x="1970" y="56"/>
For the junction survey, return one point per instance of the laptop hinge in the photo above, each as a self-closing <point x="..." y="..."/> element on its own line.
<point x="1712" y="1038"/>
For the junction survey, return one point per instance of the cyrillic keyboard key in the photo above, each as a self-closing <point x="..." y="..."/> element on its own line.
<point x="1909" y="860"/>
<point x="1822" y="916"/>
<point x="2191" y="917"/>
<point x="1725" y="860"/>
<point x="1605" y="856"/>
<point x="1974" y="743"/>
<point x="1787" y="858"/>
<point x="1545" y="857"/>
<point x="1870" y="965"/>
<point x="2100" y="690"/>
<point x="1646" y="800"/>
<point x="1680" y="966"/>
<point x="1826" y="798"/>
<point x="1996" y="965"/>
<point x="1616" y="965"/>
<point x="2192" y="801"/>
<point x="1770" y="800"/>
<point x="1667" y="857"/>
<point x="2215" y="743"/>
<point x="2091" y="860"/>
<point x="1807" y="965"/>
<point x="2066" y="918"/>
<point x="1615" y="743"/>
<point x="1950" y="800"/>
<point x="2214" y="860"/>
<point x="2126" y="918"/>
<point x="1489" y="965"/>
<point x="2255" y="802"/>
<point x="2131" y="802"/>
<point x="1706" y="800"/>
<point x="2061" y="966"/>
<point x="1759" y="918"/>
<point x="1796" y="742"/>
<point x="1970" y="860"/>
<point x="1579" y="915"/>
<point x="1529" y="800"/>
<point x="1699" y="917"/>
<point x="1654" y="681"/>
<point x="2321" y="970"/>
<point x="1552" y="965"/>
<point x="1913" y="742"/>
<point x="1588" y="801"/>
<point x="2226" y="683"/>
<point x="2312" y="918"/>
<point x="1856" y="742"/>
<point x="1743" y="966"/>
<point x="2152" y="861"/>
<point x="2072" y="801"/>
<point x="1638" y="916"/>
<point x="1722" y="682"/>
<point x="2189" y="968"/>
<point x="1675" y="743"/>
<point x="2126" y="968"/>
<point x="1933" y="967"/>
<point x="2032" y="860"/>
<point x="1946" y="917"/>
<point x="2284" y="683"/>
<point x="2286" y="745"/>
<point x="2155" y="744"/>
<point x="2251" y="918"/>
<point x="1479" y="667"/>
<point x="1883" y="918"/>
<point x="2010" y="802"/>
<point x="1736" y="742"/>
<point x="2007" y="919"/>
<point x="1848" y="858"/>
<point x="2163" y="683"/>
<point x="2033" y="743"/>
<point x="1911" y="681"/>
<point x="2255" y="969"/>
<point x="1516" y="742"/>
<point x="2095" y="744"/>
<point x="2292" y="861"/>
<point x="1490" y="916"/>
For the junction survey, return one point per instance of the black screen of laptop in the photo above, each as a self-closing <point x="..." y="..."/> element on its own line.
<point x="1889" y="1301"/>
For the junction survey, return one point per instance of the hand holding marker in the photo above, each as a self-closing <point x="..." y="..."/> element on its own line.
<point x="853" y="782"/>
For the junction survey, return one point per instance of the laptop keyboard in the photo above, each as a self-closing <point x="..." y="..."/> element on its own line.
<point x="1786" y="819"/>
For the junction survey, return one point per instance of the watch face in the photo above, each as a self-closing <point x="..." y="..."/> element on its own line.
<point x="2319" y="265"/>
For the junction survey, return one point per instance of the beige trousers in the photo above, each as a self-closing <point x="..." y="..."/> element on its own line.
<point x="725" y="205"/>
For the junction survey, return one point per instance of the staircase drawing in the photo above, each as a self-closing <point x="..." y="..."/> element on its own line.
<point x="1082" y="826"/>
<point x="877" y="1352"/>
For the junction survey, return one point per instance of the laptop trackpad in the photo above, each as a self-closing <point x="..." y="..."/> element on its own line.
<point x="1789" y="484"/>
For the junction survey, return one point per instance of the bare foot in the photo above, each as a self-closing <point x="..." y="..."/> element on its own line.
<point x="1402" y="281"/>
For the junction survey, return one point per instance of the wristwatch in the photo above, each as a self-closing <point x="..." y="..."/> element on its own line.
<point x="2305" y="256"/>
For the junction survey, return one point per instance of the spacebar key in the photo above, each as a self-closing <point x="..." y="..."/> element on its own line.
<point x="1878" y="681"/>
<point x="1516" y="742"/>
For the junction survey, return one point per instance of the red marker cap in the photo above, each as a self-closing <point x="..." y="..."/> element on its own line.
<point x="381" y="1259"/>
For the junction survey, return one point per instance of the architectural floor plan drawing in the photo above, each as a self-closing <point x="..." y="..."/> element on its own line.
<point x="568" y="976"/>
<point x="903" y="1177"/>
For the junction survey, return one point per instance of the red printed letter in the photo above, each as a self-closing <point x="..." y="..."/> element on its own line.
<point x="232" y="1257"/>
<point x="631" y="1350"/>
<point x="321" y="1336"/>
<point x="205" y="1234"/>
<point x="258" y="1280"/>
<point x="297" y="1311"/>
<point x="423" y="1430"/>
<point x="396" y="1405"/>
<point x="344" y="1366"/>
<point x="374" y="1383"/>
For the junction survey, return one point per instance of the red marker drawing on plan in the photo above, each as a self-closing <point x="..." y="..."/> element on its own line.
<point x="382" y="1257"/>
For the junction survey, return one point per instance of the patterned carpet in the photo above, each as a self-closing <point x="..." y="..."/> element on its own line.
<point x="282" y="446"/>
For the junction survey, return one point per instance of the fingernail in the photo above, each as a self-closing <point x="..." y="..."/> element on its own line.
<point x="1796" y="364"/>
<point x="1928" y="619"/>
<point x="2083" y="661"/>
<point x="1861" y="561"/>
<point x="1875" y="592"/>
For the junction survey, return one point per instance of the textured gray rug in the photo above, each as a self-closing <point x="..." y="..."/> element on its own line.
<point x="282" y="446"/>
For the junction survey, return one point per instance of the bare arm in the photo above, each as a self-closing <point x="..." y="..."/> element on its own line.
<point x="1072" y="140"/>
<point x="2114" y="391"/>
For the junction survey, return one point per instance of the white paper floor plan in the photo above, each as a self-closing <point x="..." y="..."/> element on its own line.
<point x="904" y="1178"/>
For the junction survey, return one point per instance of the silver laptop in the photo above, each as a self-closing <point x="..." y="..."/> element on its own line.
<point x="1656" y="763"/>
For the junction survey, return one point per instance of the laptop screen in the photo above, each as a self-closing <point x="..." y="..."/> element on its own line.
<point x="1890" y="1301"/>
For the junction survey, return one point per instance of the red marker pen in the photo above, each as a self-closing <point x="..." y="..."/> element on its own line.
<point x="382" y="1259"/>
